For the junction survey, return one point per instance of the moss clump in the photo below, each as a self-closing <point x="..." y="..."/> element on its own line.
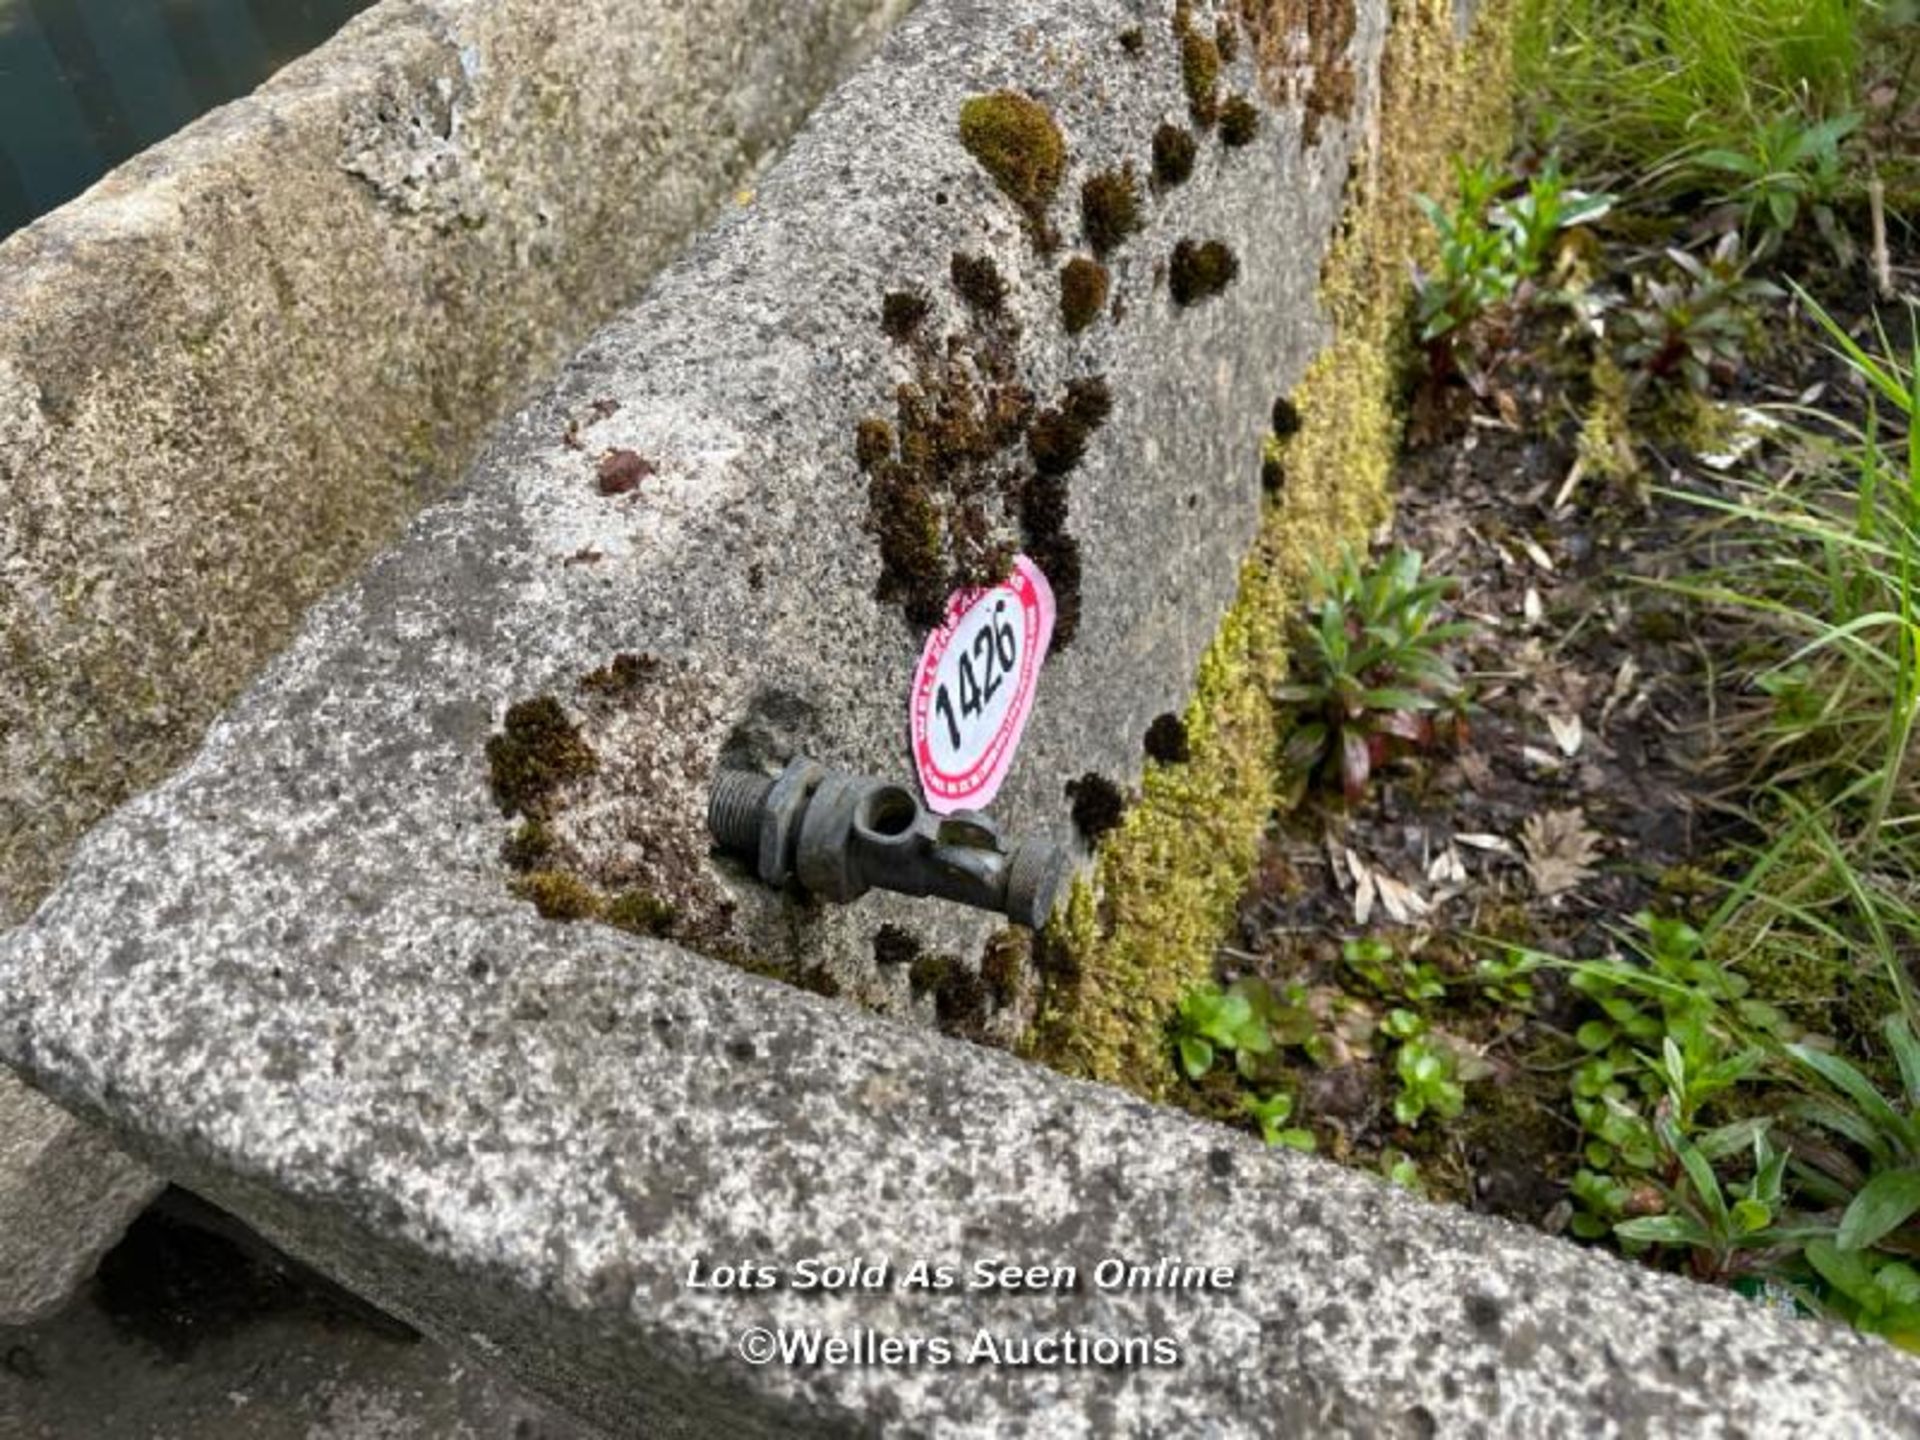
<point x="1273" y="465"/>
<point x="893" y="945"/>
<point x="1098" y="805"/>
<point x="905" y="521"/>
<point x="1004" y="963"/>
<point x="1286" y="418"/>
<point x="1200" y="73"/>
<point x="1133" y="40"/>
<point x="558" y="895"/>
<point x="1017" y="142"/>
<point x="1109" y="209"/>
<point x="537" y="751"/>
<point x="1239" y="121"/>
<point x="901" y="313"/>
<point x="1058" y="438"/>
<point x="622" y="675"/>
<point x="929" y="972"/>
<point x="529" y="845"/>
<point x="941" y="502"/>
<point x="1200" y="270"/>
<point x="1167" y="740"/>
<point x="1226" y="39"/>
<point x="977" y="280"/>
<point x="1173" y="154"/>
<point x="872" y="442"/>
<point x="1144" y="928"/>
<point x="960" y="999"/>
<point x="641" y="912"/>
<point x="1083" y="293"/>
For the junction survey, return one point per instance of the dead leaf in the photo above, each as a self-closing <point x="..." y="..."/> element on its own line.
<point x="1364" y="891"/>
<point x="1402" y="903"/>
<point x="1531" y="607"/>
<point x="1567" y="733"/>
<point x="1535" y="553"/>
<point x="1446" y="868"/>
<point x="1482" y="841"/>
<point x="1560" y="850"/>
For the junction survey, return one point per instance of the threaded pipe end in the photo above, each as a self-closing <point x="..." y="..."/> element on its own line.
<point x="1036" y="874"/>
<point x="734" y="810"/>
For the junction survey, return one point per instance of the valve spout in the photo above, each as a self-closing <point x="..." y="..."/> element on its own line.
<point x="841" y="835"/>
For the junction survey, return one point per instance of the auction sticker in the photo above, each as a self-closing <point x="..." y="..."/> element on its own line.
<point x="974" y="688"/>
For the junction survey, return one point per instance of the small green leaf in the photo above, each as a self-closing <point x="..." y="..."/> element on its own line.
<point x="1196" y="1056"/>
<point x="1884" y="1204"/>
<point x="1663" y="1230"/>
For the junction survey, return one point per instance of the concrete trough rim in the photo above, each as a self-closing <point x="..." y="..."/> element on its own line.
<point x="1480" y="1323"/>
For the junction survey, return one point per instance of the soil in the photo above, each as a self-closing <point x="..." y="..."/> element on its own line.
<point x="1589" y="786"/>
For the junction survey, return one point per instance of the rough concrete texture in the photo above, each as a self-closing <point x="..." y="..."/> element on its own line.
<point x="295" y="973"/>
<point x="65" y="1196"/>
<point x="230" y="371"/>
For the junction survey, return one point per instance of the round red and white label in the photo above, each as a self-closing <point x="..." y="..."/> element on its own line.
<point x="974" y="688"/>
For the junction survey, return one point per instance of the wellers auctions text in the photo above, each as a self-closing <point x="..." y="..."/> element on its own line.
<point x="837" y="1275"/>
<point x="1052" y="1350"/>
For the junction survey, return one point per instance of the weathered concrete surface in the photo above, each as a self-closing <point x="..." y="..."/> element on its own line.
<point x="295" y="973"/>
<point x="230" y="371"/>
<point x="65" y="1196"/>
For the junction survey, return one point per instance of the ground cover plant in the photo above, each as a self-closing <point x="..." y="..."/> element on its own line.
<point x="1593" y="897"/>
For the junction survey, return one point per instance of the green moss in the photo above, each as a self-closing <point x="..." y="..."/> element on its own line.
<point x="558" y="895"/>
<point x="1110" y="209"/>
<point x="1167" y="741"/>
<point x="872" y="442"/>
<point x="1239" y="121"/>
<point x="905" y="521"/>
<point x="894" y="945"/>
<point x="960" y="998"/>
<point x="641" y="912"/>
<point x="529" y="845"/>
<point x="1226" y="38"/>
<point x="1058" y="438"/>
<point x="1273" y="465"/>
<point x="1134" y="936"/>
<point x="1083" y="293"/>
<point x="977" y="280"/>
<point x="901" y="313"/>
<point x="1200" y="73"/>
<point x="1016" y="141"/>
<point x="1173" y="154"/>
<point x="622" y="675"/>
<point x="1604" y="448"/>
<point x="537" y="751"/>
<point x="1197" y="271"/>
<point x="1004" y="962"/>
<point x="1098" y="806"/>
<point x="929" y="972"/>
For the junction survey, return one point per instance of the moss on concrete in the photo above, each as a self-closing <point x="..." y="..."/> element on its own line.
<point x="1142" y="929"/>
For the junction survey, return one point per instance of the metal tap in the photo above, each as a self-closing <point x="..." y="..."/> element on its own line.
<point x="841" y="835"/>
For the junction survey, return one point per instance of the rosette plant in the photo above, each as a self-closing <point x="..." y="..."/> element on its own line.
<point x="1372" y="679"/>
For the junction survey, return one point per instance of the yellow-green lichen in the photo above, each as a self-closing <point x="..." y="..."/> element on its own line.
<point x="1143" y="928"/>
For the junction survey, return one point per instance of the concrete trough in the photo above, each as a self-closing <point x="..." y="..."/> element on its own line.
<point x="305" y="975"/>
<point x="232" y="370"/>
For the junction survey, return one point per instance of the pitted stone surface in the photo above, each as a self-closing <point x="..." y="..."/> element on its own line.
<point x="295" y="973"/>
<point x="231" y="371"/>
